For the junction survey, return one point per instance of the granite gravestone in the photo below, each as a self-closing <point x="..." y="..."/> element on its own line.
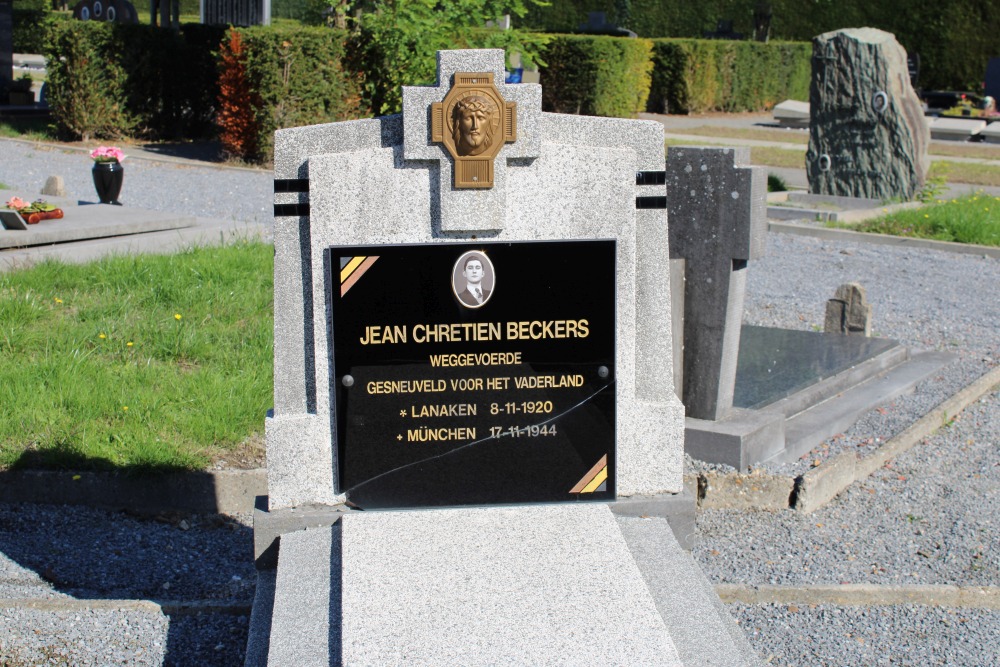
<point x="546" y="300"/>
<point x="867" y="134"/>
<point x="717" y="224"/>
<point x="6" y="47"/>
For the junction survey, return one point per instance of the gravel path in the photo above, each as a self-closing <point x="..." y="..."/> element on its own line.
<point x="243" y="195"/>
<point x="930" y="517"/>
<point x="73" y="581"/>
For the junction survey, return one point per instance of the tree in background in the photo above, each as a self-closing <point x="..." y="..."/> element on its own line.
<point x="395" y="43"/>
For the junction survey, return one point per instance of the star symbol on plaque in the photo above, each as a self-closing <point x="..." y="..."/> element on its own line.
<point x="399" y="437"/>
<point x="402" y="413"/>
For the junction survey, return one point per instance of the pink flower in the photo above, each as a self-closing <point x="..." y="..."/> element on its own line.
<point x="17" y="203"/>
<point x="107" y="154"/>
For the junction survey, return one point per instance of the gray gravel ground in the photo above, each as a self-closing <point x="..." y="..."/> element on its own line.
<point x="929" y="517"/>
<point x="243" y="195"/>
<point x="64" y="556"/>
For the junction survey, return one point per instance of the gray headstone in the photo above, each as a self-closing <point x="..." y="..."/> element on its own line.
<point x="717" y="208"/>
<point x="867" y="134"/>
<point x="6" y="47"/>
<point x="384" y="181"/>
<point x="849" y="311"/>
<point x="54" y="186"/>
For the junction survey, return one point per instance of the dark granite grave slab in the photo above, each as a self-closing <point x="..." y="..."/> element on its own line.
<point x="440" y="402"/>
<point x="93" y="221"/>
<point x="776" y="363"/>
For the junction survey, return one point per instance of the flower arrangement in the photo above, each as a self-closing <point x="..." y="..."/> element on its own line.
<point x="35" y="211"/>
<point x="107" y="154"/>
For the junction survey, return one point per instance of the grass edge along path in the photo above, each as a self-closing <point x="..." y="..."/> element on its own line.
<point x="146" y="362"/>
<point x="972" y="219"/>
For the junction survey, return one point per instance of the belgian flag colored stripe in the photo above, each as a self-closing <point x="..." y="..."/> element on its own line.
<point x="594" y="477"/>
<point x="353" y="270"/>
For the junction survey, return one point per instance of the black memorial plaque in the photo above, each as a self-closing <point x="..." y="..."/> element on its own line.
<point x="446" y="395"/>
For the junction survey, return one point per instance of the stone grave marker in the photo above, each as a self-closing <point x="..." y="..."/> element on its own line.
<point x="491" y="358"/>
<point x="6" y="47"/>
<point x="867" y="134"/>
<point x="717" y="205"/>
<point x="849" y="311"/>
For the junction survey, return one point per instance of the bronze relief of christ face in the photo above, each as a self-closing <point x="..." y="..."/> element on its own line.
<point x="474" y="121"/>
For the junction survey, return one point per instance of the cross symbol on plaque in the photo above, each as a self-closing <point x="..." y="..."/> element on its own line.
<point x="471" y="124"/>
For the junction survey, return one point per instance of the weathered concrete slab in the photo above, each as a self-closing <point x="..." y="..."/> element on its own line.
<point x="991" y="133"/>
<point x="94" y="221"/>
<point x="791" y="113"/>
<point x="956" y="129"/>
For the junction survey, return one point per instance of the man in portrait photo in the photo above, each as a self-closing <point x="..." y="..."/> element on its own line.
<point x="474" y="120"/>
<point x="476" y="292"/>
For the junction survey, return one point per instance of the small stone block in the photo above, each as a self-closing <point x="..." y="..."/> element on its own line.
<point x="849" y="311"/>
<point x="54" y="187"/>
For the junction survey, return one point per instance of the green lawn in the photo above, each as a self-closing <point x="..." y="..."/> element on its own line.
<point x="970" y="219"/>
<point x="145" y="362"/>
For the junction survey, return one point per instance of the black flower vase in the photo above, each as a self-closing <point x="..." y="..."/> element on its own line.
<point x="108" y="178"/>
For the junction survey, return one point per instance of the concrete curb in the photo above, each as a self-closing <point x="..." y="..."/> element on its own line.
<point x="217" y="491"/>
<point x="165" y="607"/>
<point x="863" y="595"/>
<point x="833" y="234"/>
<point x="813" y="489"/>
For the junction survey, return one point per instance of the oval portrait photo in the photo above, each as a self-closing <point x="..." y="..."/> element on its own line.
<point x="473" y="279"/>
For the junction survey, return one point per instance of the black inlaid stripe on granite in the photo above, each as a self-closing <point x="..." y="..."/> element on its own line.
<point x="291" y="185"/>
<point x="650" y="202"/>
<point x="291" y="210"/>
<point x="650" y="178"/>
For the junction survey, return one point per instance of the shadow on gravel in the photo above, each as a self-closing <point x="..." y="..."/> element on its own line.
<point x="205" y="151"/>
<point x="170" y="558"/>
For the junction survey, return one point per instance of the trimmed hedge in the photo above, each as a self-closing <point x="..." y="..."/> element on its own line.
<point x="297" y="78"/>
<point x="596" y="76"/>
<point x="955" y="39"/>
<point x="694" y="76"/>
<point x="27" y="35"/>
<point x="108" y="80"/>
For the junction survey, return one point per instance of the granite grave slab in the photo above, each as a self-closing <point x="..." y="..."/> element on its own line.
<point x="93" y="221"/>
<point x="392" y="258"/>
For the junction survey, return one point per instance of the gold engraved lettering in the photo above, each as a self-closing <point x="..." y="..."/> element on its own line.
<point x="556" y="329"/>
<point x="476" y="359"/>
<point x="385" y="334"/>
<point x="443" y="410"/>
<point x="424" y="434"/>
<point x="548" y="381"/>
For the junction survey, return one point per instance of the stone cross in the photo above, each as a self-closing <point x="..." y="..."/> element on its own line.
<point x="849" y="311"/>
<point x="473" y="210"/>
<point x="716" y="211"/>
<point x="6" y="45"/>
